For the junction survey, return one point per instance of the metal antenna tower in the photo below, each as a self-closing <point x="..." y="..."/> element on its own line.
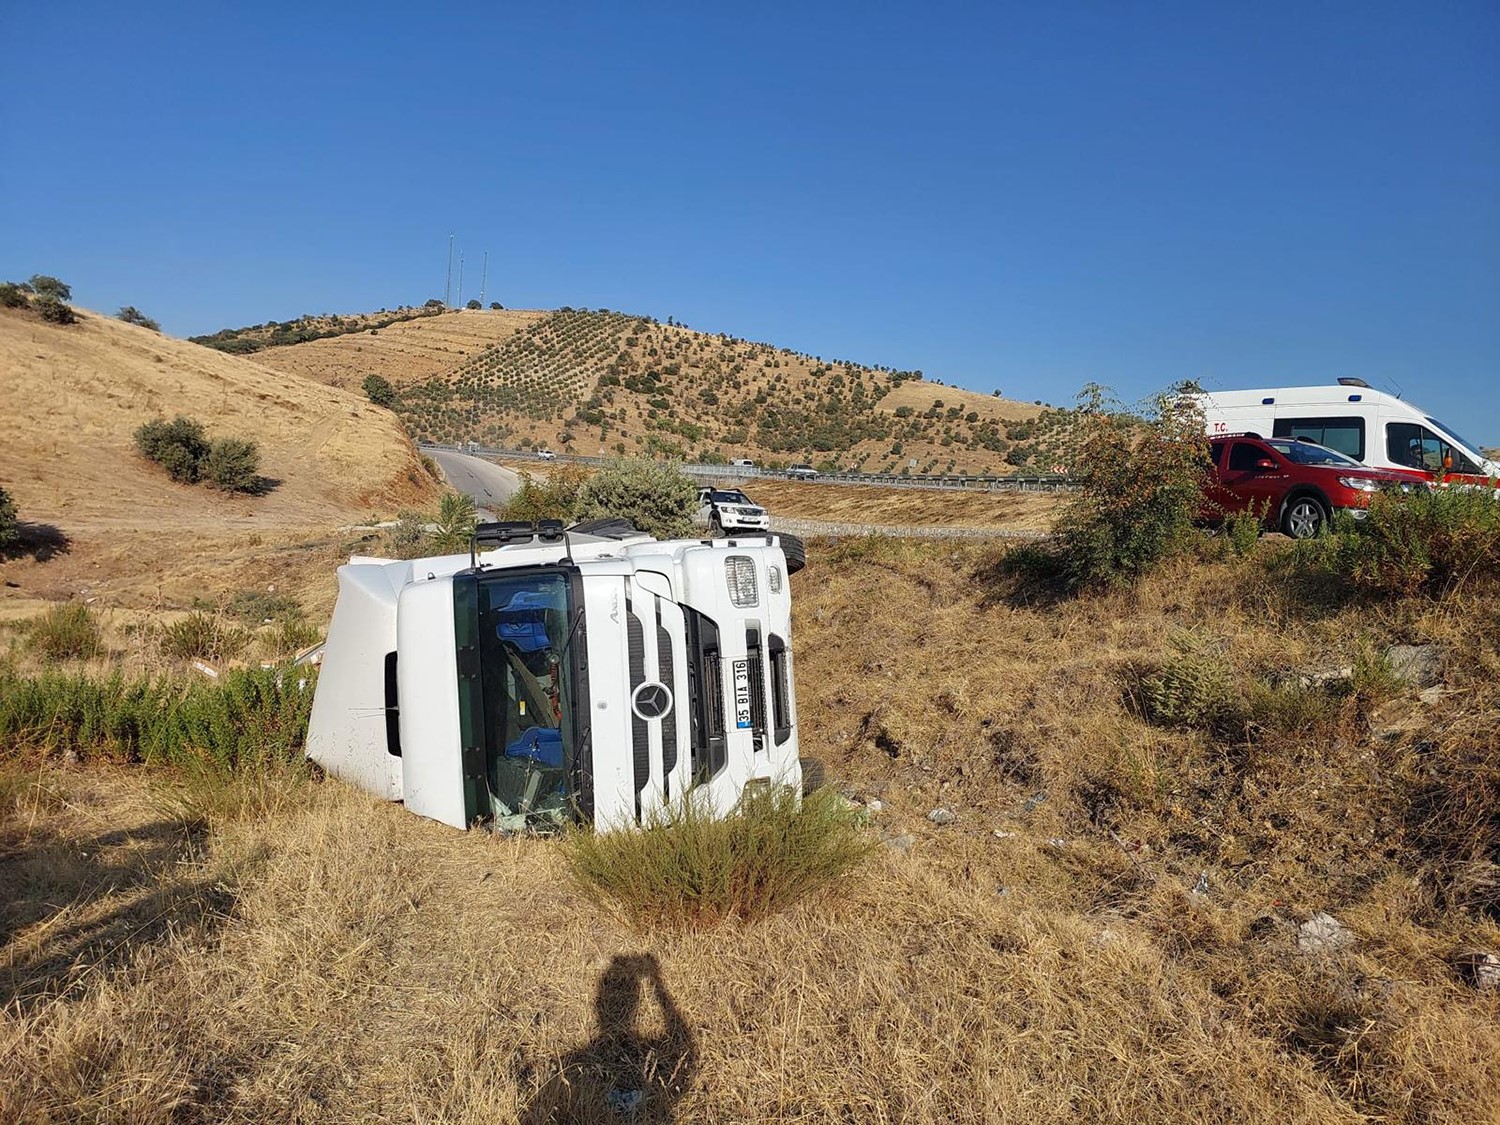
<point x="448" y="280"/>
<point x="460" y="277"/>
<point x="484" y="276"/>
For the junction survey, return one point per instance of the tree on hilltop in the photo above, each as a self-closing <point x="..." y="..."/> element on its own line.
<point x="44" y="286"/>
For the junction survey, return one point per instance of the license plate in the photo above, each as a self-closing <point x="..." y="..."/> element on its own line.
<point x="742" y="694"/>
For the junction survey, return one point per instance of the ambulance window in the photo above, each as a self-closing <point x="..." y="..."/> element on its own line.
<point x="1417" y="447"/>
<point x="1347" y="435"/>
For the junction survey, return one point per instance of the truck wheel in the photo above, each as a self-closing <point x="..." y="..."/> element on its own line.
<point x="795" y="551"/>
<point x="715" y="527"/>
<point x="1304" y="517"/>
<point x="813" y="774"/>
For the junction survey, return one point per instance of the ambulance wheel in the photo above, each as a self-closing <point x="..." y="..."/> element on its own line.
<point x="795" y="551"/>
<point x="813" y="775"/>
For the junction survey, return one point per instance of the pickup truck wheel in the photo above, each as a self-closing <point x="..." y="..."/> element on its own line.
<point x="715" y="527"/>
<point x="1304" y="517"/>
<point x="795" y="551"/>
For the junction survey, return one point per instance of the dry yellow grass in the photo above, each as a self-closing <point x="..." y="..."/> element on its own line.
<point x="75" y="395"/>
<point x="321" y="956"/>
<point x="408" y="351"/>
<point x="921" y="395"/>
<point x="121" y="532"/>
<point x="1028" y="511"/>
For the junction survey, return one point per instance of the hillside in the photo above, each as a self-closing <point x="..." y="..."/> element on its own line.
<point x="75" y="394"/>
<point x="607" y="382"/>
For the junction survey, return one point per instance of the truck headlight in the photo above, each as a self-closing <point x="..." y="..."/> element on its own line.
<point x="739" y="571"/>
<point x="1360" y="484"/>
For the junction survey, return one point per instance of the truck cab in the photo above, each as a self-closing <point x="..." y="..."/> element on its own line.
<point x="552" y="676"/>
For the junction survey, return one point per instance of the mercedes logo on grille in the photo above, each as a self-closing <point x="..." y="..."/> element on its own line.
<point x="651" y="700"/>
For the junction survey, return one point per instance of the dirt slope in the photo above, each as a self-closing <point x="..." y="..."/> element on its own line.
<point x="74" y="396"/>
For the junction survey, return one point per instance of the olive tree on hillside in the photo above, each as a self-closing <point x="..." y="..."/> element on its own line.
<point x="378" y="390"/>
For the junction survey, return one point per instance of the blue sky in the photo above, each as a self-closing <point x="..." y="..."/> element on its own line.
<point x="1015" y="196"/>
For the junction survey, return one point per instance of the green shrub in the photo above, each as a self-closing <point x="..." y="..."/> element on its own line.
<point x="246" y="717"/>
<point x="10" y="524"/>
<point x="378" y="390"/>
<point x="257" y="607"/>
<point x="203" y="636"/>
<point x="473" y="303"/>
<point x="233" y="465"/>
<point x="455" y="523"/>
<point x="1243" y="528"/>
<point x="556" y="498"/>
<point x="56" y="312"/>
<point x="289" y="636"/>
<point x="179" y="446"/>
<point x="685" y="868"/>
<point x="656" y="497"/>
<point x="1430" y="542"/>
<point x="1194" y="688"/>
<point x="67" y="631"/>
<point x="407" y="537"/>
<point x="1140" y="489"/>
<point x="132" y="315"/>
<point x="12" y="296"/>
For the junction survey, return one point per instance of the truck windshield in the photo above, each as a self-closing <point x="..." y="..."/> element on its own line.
<point x="524" y="631"/>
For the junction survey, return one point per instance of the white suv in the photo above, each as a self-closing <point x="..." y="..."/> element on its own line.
<point x="729" y="509"/>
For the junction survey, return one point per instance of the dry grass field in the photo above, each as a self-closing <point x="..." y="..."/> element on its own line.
<point x="75" y="394"/>
<point x="1107" y="930"/>
<point x="106" y="526"/>
<point x="1021" y="511"/>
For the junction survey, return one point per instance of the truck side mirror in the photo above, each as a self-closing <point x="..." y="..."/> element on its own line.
<point x="1265" y="464"/>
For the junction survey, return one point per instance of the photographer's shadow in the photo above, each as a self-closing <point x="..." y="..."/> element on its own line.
<point x="621" y="1074"/>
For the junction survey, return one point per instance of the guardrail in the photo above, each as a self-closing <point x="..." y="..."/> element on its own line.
<point x="713" y="474"/>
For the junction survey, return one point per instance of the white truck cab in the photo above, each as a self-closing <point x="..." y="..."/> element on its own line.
<point x="595" y="674"/>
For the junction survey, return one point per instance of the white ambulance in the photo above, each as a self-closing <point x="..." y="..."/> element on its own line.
<point x="1371" y="426"/>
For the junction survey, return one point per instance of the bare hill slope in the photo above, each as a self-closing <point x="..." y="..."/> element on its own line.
<point x="75" y="394"/>
<point x="609" y="382"/>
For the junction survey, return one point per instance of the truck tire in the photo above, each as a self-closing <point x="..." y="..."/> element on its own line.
<point x="795" y="551"/>
<point x="813" y="774"/>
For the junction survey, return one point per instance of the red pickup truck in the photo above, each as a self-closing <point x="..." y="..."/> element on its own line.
<point x="1297" y="485"/>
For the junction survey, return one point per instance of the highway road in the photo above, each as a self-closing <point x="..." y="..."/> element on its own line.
<point x="489" y="484"/>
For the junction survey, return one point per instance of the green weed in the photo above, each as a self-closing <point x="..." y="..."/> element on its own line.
<point x="687" y="869"/>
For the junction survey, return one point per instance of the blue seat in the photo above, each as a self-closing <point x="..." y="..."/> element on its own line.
<point x="543" y="745"/>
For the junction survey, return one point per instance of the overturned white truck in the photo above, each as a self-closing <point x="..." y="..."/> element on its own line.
<point x="548" y="675"/>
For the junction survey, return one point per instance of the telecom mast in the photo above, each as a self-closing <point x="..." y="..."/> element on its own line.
<point x="484" y="276"/>
<point x="448" y="279"/>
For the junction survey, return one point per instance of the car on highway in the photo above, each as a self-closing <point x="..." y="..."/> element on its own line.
<point x="801" y="472"/>
<point x="1295" y="485"/>
<point x="728" y="509"/>
<point x="546" y="454"/>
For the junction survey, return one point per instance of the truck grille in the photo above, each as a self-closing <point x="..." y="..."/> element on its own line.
<point x="667" y="674"/>
<point x="639" y="742"/>
<point x="757" y="670"/>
